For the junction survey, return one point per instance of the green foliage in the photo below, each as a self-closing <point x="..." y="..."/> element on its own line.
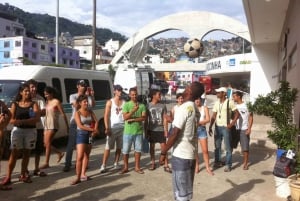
<point x="44" y="24"/>
<point x="278" y="105"/>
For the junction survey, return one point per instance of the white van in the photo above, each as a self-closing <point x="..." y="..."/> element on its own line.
<point x="64" y="80"/>
<point x="141" y="77"/>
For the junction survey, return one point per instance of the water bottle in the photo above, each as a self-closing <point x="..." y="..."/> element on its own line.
<point x="31" y="113"/>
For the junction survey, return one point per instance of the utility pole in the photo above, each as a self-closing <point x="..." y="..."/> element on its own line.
<point x="57" y="32"/>
<point x="94" y="36"/>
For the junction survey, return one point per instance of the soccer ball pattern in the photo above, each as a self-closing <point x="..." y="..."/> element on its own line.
<point x="193" y="48"/>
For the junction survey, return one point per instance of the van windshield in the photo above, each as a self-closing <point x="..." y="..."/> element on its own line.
<point x="8" y="90"/>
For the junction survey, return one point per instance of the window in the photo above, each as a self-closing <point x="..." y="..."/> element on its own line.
<point x="18" y="43"/>
<point x="104" y="87"/>
<point x="64" y="52"/>
<point x="51" y="49"/>
<point x="70" y="53"/>
<point x="57" y="85"/>
<point x="53" y="59"/>
<point x="33" y="55"/>
<point x="40" y="88"/>
<point x="33" y="45"/>
<point x="43" y="47"/>
<point x="84" y="52"/>
<point x="26" y="55"/>
<point x="26" y="43"/>
<point x="71" y="62"/>
<point x="6" y="54"/>
<point x="64" y="61"/>
<point x="6" y="44"/>
<point x="7" y="28"/>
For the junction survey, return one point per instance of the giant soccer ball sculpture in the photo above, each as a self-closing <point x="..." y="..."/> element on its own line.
<point x="193" y="48"/>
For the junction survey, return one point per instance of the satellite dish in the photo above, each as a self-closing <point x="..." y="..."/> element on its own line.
<point x="138" y="52"/>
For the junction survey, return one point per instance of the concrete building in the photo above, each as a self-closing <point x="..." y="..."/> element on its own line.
<point x="275" y="36"/>
<point x="15" y="50"/>
<point x="10" y="26"/>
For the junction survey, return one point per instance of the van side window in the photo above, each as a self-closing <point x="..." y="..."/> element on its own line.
<point x="57" y="85"/>
<point x="71" y="86"/>
<point x="102" y="89"/>
<point x="40" y="88"/>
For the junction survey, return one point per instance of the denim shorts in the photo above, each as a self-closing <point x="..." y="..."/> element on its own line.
<point x="136" y="140"/>
<point x="201" y="132"/>
<point x="82" y="137"/>
<point x="183" y="172"/>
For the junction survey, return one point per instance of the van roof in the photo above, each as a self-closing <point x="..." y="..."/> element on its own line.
<point x="25" y="72"/>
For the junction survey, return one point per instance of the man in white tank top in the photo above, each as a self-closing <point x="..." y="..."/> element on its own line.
<point x="114" y="126"/>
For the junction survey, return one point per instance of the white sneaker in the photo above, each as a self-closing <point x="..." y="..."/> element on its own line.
<point x="117" y="166"/>
<point x="102" y="169"/>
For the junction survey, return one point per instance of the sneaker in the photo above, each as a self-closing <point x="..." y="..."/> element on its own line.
<point x="227" y="169"/>
<point x="117" y="166"/>
<point x="102" y="169"/>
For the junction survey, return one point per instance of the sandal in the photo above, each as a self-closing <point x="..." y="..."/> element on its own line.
<point x="25" y="179"/>
<point x="75" y="182"/>
<point x="86" y="178"/>
<point x="39" y="173"/>
<point x="6" y="181"/>
<point x="60" y="156"/>
<point x="124" y="171"/>
<point x="167" y="169"/>
<point x="152" y="167"/>
<point x="140" y="171"/>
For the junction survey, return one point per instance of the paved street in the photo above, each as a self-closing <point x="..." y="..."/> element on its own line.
<point x="255" y="184"/>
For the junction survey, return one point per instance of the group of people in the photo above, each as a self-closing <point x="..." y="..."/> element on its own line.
<point x="35" y="123"/>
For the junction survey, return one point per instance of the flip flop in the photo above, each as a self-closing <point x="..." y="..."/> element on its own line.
<point x="6" y="181"/>
<point x="140" y="171"/>
<point x="124" y="171"/>
<point x="86" y="178"/>
<point x="60" y="157"/>
<point x="45" y="166"/>
<point x="39" y="173"/>
<point x="167" y="169"/>
<point x="5" y="188"/>
<point x="75" y="182"/>
<point x="152" y="167"/>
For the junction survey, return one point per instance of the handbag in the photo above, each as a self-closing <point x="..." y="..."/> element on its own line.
<point x="235" y="134"/>
<point x="284" y="167"/>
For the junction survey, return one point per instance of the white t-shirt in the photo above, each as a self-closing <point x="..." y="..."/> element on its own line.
<point x="41" y="103"/>
<point x="242" y="122"/>
<point x="186" y="119"/>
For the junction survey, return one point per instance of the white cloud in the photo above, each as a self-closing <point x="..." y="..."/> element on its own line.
<point x="127" y="17"/>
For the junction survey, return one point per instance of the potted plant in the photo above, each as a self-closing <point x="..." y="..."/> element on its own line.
<point x="278" y="105"/>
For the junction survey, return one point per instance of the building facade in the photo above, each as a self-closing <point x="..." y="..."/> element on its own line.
<point x="10" y="26"/>
<point x="17" y="50"/>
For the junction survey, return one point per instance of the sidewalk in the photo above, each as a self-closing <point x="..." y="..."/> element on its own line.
<point x="257" y="183"/>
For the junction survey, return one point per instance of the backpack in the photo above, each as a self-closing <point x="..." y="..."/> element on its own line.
<point x="284" y="167"/>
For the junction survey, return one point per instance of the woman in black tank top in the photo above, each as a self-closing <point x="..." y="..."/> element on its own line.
<point x="25" y="115"/>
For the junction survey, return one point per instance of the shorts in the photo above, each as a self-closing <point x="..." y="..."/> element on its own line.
<point x="201" y="132"/>
<point x="244" y="140"/>
<point x="115" y="138"/>
<point x="23" y="138"/>
<point x="82" y="137"/>
<point x="39" y="145"/>
<point x="136" y="140"/>
<point x="183" y="172"/>
<point x="157" y="137"/>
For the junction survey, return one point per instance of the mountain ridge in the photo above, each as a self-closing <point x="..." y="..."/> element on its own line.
<point x="44" y="25"/>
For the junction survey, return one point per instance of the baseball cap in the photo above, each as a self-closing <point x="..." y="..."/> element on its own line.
<point x="221" y="89"/>
<point x="118" y="87"/>
<point x="81" y="83"/>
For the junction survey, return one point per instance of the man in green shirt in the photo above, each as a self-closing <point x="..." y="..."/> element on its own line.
<point x="134" y="114"/>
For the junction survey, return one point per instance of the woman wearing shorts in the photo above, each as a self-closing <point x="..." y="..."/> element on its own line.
<point x="202" y="136"/>
<point x="87" y="128"/>
<point x="25" y="115"/>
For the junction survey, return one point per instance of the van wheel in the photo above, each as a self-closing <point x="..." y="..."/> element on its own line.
<point x="101" y="128"/>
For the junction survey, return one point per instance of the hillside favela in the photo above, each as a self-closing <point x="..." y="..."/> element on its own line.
<point x="149" y="100"/>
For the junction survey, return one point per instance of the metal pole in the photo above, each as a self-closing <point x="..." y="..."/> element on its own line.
<point x="57" y="32"/>
<point x="94" y="37"/>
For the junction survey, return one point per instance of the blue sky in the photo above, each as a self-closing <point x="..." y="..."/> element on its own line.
<point x="128" y="16"/>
